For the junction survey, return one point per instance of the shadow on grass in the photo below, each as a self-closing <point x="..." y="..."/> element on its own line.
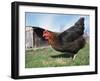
<point x="63" y="55"/>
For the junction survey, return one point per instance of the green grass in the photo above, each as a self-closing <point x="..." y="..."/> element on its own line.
<point x="47" y="57"/>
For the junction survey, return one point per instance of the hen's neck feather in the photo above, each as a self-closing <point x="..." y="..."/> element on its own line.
<point x="54" y="41"/>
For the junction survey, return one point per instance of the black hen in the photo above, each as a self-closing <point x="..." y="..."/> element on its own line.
<point x="69" y="41"/>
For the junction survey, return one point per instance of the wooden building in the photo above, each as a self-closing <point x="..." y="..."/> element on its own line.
<point x="32" y="40"/>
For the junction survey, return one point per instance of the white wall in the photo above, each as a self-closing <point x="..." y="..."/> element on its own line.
<point x="5" y="40"/>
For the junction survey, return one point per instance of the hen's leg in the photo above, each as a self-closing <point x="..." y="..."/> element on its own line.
<point x="73" y="57"/>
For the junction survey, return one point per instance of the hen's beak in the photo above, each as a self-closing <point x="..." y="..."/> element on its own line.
<point x="43" y="35"/>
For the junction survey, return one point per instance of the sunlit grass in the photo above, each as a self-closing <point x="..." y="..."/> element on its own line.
<point x="48" y="57"/>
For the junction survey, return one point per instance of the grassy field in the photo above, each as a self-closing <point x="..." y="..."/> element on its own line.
<point x="47" y="57"/>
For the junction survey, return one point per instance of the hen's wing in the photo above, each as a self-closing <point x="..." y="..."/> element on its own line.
<point x="73" y="32"/>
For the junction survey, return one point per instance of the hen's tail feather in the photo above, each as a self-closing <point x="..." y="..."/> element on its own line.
<point x="80" y="21"/>
<point x="73" y="32"/>
<point x="80" y="24"/>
